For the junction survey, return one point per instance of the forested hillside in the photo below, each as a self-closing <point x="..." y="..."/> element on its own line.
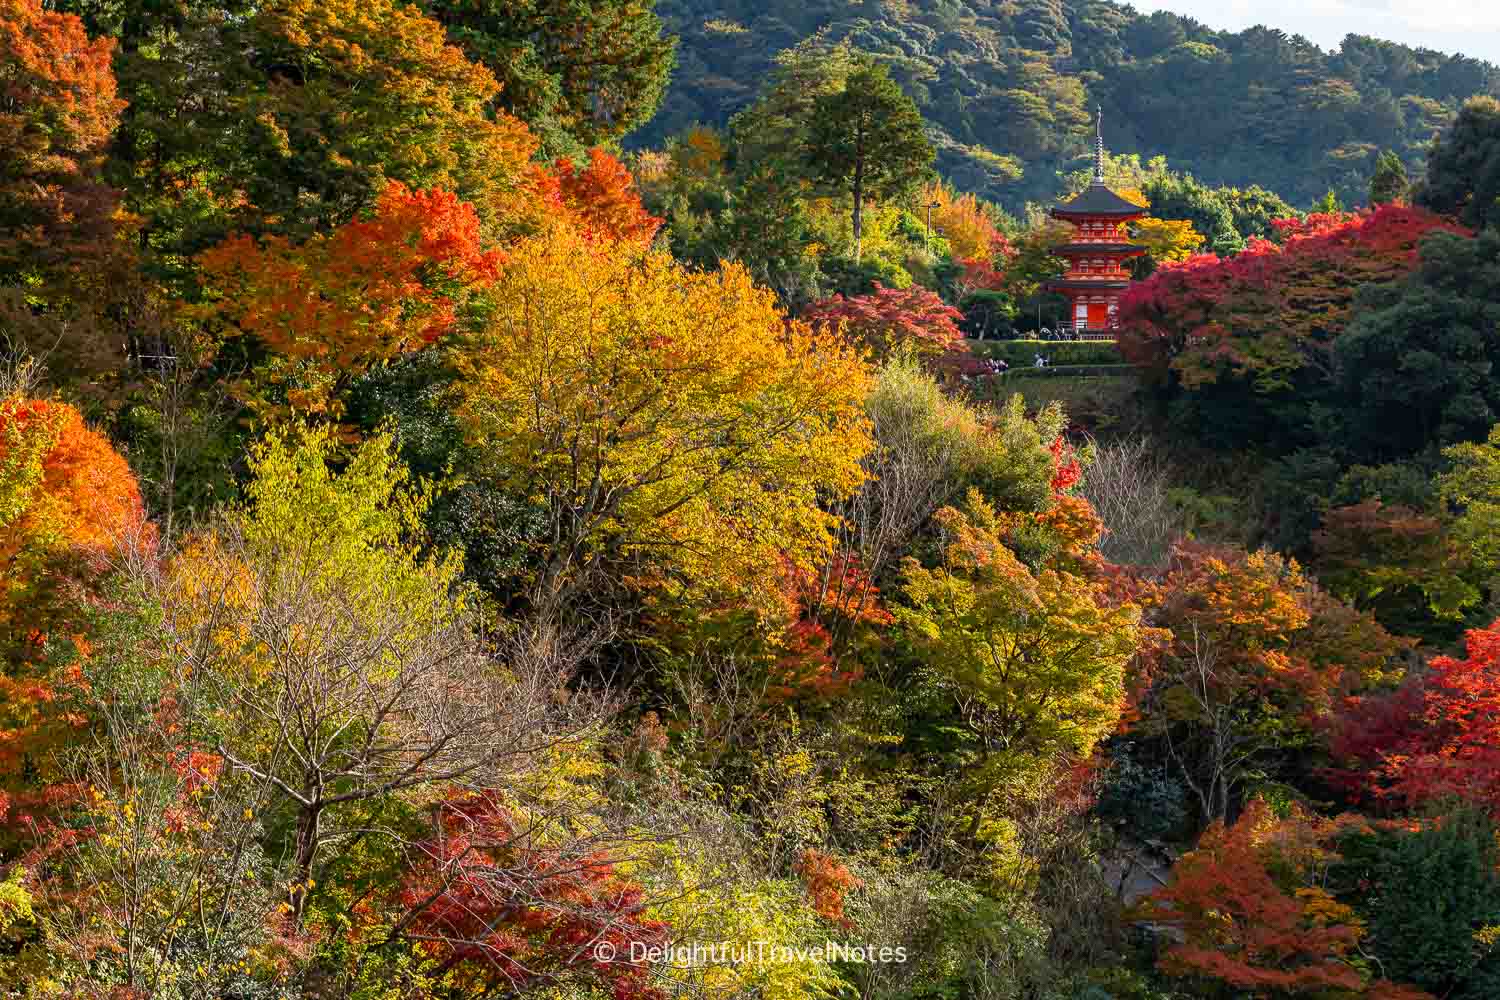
<point x="443" y="557"/>
<point x="1008" y="88"/>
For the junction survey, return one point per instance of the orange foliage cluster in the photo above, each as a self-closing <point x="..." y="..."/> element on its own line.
<point x="1248" y="904"/>
<point x="86" y="495"/>
<point x="828" y="881"/>
<point x="601" y="199"/>
<point x="1272" y="634"/>
<point x="67" y="502"/>
<point x="837" y="598"/>
<point x="58" y="113"/>
<point x="372" y="290"/>
<point x="971" y="236"/>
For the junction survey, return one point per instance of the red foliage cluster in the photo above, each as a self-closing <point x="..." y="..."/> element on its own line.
<point x="986" y="275"/>
<point x="828" y="881"/>
<point x="489" y="903"/>
<point x="601" y="199"/>
<point x="838" y="598"/>
<point x="1311" y="224"/>
<point x="1251" y="914"/>
<point x="1272" y="310"/>
<point x="892" y="318"/>
<point x="1434" y="738"/>
<point x="1066" y="470"/>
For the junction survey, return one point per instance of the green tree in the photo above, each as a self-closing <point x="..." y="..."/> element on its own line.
<point x="290" y="116"/>
<point x="1418" y="358"/>
<point x="1463" y="166"/>
<point x="1430" y="899"/>
<point x="1329" y="204"/>
<point x="1472" y="486"/>
<point x="1033" y="662"/>
<point x="868" y="140"/>
<point x="579" y="72"/>
<point x="1390" y="182"/>
<point x="313" y="603"/>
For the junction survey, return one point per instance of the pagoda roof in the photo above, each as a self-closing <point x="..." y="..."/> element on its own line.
<point x="1086" y="285"/>
<point x="1097" y="199"/>
<point x="1133" y="249"/>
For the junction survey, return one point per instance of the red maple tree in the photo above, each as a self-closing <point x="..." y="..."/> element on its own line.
<point x="892" y="318"/>
<point x="1274" y="309"/>
<point x="491" y="904"/>
<point x="1435" y="737"/>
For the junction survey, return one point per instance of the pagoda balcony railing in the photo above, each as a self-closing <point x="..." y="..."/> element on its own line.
<point x="1065" y="332"/>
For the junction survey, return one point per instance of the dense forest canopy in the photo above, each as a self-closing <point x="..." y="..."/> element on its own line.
<point x="1008" y="88"/>
<point x="446" y="556"/>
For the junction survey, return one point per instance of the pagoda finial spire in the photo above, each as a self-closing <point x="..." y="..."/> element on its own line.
<point x="1099" y="144"/>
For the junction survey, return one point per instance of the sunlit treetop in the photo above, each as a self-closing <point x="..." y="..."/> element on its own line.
<point x="58" y="112"/>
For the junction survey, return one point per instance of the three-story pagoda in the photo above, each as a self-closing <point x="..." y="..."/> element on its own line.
<point x="1099" y="251"/>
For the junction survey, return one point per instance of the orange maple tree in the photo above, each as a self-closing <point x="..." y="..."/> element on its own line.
<point x="601" y="199"/>
<point x="58" y="112"/>
<point x="1252" y="914"/>
<point x="68" y="502"/>
<point x="828" y="881"/>
<point x="338" y="305"/>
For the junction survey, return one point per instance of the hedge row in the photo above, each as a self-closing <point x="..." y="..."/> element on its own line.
<point x="1057" y="352"/>
<point x="1075" y="371"/>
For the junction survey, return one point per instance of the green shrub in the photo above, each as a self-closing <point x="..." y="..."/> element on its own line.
<point x="1071" y="371"/>
<point x="1057" y="352"/>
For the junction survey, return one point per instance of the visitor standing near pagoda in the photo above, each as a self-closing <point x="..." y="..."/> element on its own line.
<point x="1100" y="248"/>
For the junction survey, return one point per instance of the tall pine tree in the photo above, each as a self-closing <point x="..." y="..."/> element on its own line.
<point x="868" y="140"/>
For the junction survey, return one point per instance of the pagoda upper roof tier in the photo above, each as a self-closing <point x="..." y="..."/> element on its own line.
<point x="1115" y="249"/>
<point x="1086" y="285"/>
<point x="1097" y="200"/>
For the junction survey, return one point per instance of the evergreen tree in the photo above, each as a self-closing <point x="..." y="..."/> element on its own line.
<point x="1329" y="204"/>
<point x="869" y="140"/>
<point x="1463" y="166"/>
<point x="1390" y="182"/>
<point x="579" y="72"/>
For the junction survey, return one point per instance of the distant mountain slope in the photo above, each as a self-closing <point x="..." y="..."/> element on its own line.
<point x="1009" y="86"/>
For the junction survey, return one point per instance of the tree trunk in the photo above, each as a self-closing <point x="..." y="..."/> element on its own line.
<point x="859" y="184"/>
<point x="307" y="847"/>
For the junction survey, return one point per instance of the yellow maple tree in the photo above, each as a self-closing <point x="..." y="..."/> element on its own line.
<point x="658" y="412"/>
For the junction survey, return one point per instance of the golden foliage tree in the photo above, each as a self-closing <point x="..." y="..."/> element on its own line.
<point x="659" y="412"/>
<point x="963" y="222"/>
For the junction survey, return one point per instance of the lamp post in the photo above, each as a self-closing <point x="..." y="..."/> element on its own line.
<point x="930" y="206"/>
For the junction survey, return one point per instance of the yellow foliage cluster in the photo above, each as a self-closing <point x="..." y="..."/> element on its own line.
<point x="654" y="409"/>
<point x="962" y="221"/>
